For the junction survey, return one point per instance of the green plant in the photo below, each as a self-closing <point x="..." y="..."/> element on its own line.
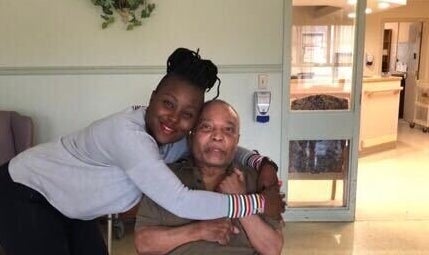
<point x="131" y="11"/>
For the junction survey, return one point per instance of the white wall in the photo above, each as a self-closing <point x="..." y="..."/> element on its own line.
<point x="61" y="44"/>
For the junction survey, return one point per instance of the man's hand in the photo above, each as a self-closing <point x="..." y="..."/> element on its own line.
<point x="274" y="204"/>
<point x="233" y="184"/>
<point x="216" y="230"/>
<point x="267" y="176"/>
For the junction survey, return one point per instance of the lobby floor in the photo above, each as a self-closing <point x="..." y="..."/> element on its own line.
<point x="392" y="215"/>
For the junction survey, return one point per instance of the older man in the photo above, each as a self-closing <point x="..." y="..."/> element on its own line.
<point x="213" y="143"/>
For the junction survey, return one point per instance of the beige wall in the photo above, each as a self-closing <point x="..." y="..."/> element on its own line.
<point x="417" y="9"/>
<point x="68" y="33"/>
<point x="243" y="37"/>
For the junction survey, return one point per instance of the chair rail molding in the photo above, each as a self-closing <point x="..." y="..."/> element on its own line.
<point x="115" y="70"/>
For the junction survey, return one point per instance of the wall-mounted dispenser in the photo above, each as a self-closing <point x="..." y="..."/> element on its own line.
<point x="369" y="59"/>
<point x="262" y="105"/>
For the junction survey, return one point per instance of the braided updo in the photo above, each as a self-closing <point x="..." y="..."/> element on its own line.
<point x="188" y="65"/>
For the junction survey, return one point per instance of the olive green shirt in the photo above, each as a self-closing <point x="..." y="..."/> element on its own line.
<point x="151" y="214"/>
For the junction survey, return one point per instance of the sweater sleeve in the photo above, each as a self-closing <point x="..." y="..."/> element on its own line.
<point x="160" y="184"/>
<point x="137" y="153"/>
<point x="248" y="158"/>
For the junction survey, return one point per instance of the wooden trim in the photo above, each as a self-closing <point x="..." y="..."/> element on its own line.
<point x="316" y="176"/>
<point x="377" y="148"/>
<point x="115" y="70"/>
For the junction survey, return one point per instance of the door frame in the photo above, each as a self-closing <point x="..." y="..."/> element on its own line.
<point x="422" y="73"/>
<point x="424" y="51"/>
<point x="295" y="124"/>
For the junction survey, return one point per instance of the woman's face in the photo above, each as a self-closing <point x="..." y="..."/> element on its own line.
<point x="173" y="110"/>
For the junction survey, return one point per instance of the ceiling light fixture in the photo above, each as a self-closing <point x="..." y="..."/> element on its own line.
<point x="383" y="5"/>
<point x="351" y="15"/>
<point x="399" y="2"/>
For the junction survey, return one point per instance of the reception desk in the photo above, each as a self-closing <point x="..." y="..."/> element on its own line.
<point x="379" y="114"/>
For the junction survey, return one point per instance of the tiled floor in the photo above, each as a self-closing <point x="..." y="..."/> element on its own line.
<point x="392" y="185"/>
<point x="392" y="215"/>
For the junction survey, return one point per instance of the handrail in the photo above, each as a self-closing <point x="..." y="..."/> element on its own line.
<point x="382" y="91"/>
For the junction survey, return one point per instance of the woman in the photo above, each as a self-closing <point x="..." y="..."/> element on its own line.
<point x="50" y="193"/>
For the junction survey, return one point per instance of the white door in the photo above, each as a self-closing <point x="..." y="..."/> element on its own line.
<point x="408" y="53"/>
<point x="323" y="49"/>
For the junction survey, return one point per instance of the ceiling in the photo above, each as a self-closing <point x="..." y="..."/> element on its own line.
<point x="338" y="4"/>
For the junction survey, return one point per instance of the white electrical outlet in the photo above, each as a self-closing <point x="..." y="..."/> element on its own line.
<point x="262" y="81"/>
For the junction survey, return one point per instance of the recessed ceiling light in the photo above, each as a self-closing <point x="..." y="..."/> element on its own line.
<point x="351" y="15"/>
<point x="383" y="5"/>
<point x="402" y="2"/>
<point x="352" y="2"/>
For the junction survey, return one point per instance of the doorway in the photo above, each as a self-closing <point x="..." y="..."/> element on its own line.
<point x="401" y="57"/>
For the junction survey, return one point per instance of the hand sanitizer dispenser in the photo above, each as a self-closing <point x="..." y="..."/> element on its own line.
<point x="262" y="105"/>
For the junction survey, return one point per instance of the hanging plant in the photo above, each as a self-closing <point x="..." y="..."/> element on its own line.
<point x="131" y="11"/>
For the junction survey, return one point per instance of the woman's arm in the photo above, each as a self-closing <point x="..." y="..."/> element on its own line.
<point x="137" y="153"/>
<point x="266" y="168"/>
<point x="121" y="141"/>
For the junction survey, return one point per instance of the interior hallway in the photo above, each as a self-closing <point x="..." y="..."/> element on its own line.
<point x="392" y="215"/>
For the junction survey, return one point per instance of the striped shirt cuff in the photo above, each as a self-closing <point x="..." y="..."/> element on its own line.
<point x="254" y="161"/>
<point x="240" y="206"/>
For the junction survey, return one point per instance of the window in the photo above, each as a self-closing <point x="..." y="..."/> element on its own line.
<point x="314" y="48"/>
<point x="322" y="52"/>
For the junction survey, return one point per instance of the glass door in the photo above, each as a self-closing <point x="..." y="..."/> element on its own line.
<point x="323" y="48"/>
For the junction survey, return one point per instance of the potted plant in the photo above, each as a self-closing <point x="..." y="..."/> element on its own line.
<point x="131" y="11"/>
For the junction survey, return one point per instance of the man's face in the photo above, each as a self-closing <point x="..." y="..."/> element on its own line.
<point x="216" y="136"/>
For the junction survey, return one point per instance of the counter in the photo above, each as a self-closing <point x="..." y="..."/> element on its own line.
<point x="379" y="114"/>
<point x="302" y="88"/>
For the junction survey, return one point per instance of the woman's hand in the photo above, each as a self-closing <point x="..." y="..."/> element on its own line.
<point x="267" y="175"/>
<point x="274" y="204"/>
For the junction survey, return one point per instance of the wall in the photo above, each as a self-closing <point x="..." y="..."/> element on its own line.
<point x="58" y="66"/>
<point x="314" y="15"/>
<point x="67" y="33"/>
<point x="415" y="9"/>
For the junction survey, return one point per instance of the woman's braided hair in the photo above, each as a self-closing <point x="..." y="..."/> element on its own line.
<point x="188" y="65"/>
